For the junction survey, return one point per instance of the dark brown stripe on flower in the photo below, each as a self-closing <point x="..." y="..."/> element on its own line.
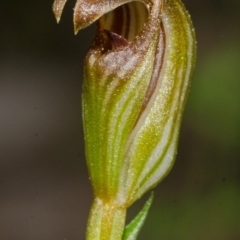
<point x="117" y="26"/>
<point x="157" y="67"/>
<point x="128" y="18"/>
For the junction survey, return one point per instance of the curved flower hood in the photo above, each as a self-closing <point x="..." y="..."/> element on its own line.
<point x="137" y="76"/>
<point x="136" y="81"/>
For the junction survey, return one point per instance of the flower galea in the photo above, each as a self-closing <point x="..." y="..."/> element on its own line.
<point x="136" y="81"/>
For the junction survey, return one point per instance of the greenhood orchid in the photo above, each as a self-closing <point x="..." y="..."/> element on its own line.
<point x="136" y="81"/>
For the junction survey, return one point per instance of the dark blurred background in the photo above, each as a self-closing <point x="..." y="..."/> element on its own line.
<point x="45" y="193"/>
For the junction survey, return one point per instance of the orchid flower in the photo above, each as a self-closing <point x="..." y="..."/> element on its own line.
<point x="136" y="81"/>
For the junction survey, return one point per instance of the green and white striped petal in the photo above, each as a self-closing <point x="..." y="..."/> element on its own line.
<point x="114" y="95"/>
<point x="137" y="76"/>
<point x="151" y="148"/>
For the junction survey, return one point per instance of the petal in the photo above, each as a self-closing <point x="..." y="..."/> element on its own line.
<point x="115" y="86"/>
<point x="151" y="148"/>
<point x="137" y="75"/>
<point x="58" y="6"/>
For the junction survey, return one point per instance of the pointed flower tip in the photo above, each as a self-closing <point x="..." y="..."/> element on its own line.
<point x="57" y="18"/>
<point x="76" y="29"/>
<point x="56" y="13"/>
<point x="57" y="8"/>
<point x="116" y="40"/>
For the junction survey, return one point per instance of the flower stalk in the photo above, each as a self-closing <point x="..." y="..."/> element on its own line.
<point x="106" y="221"/>
<point x="136" y="80"/>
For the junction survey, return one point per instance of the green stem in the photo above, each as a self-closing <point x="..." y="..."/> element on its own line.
<point x="106" y="221"/>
